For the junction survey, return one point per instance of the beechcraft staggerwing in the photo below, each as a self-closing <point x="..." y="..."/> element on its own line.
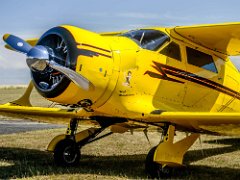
<point x="175" y="79"/>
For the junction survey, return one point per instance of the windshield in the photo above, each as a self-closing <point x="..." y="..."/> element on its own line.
<point x="147" y="38"/>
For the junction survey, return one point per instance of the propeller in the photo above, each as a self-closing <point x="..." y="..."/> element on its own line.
<point x="40" y="57"/>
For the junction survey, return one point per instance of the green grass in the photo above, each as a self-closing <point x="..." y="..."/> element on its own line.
<point x="120" y="156"/>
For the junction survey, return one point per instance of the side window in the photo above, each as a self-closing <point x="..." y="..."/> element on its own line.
<point x="172" y="50"/>
<point x="200" y="59"/>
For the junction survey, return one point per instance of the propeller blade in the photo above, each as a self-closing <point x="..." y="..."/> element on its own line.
<point x="76" y="78"/>
<point x="17" y="43"/>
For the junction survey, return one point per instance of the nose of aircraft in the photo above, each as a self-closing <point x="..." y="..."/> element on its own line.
<point x="40" y="57"/>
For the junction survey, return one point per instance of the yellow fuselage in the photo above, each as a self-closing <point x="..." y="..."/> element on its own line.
<point x="130" y="79"/>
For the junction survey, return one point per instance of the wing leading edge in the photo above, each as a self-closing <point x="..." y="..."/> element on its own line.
<point x="41" y="114"/>
<point x="205" y="122"/>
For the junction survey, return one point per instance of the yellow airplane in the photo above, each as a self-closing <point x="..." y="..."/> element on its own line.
<point x="173" y="79"/>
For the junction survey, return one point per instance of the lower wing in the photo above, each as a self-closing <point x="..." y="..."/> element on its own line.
<point x="41" y="114"/>
<point x="203" y="122"/>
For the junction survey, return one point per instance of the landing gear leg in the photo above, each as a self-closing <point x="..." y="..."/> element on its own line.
<point x="167" y="155"/>
<point x="66" y="147"/>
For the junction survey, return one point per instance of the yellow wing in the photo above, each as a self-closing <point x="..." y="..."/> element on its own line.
<point x="22" y="108"/>
<point x="205" y="122"/>
<point x="223" y="38"/>
<point x="41" y="114"/>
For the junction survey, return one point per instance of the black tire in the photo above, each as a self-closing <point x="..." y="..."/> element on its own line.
<point x="155" y="170"/>
<point x="67" y="153"/>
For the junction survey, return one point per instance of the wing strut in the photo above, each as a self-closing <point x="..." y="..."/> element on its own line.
<point x="24" y="100"/>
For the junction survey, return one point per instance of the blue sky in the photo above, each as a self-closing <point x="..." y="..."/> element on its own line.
<point x="29" y="19"/>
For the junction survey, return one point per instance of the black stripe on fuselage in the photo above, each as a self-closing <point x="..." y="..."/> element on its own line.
<point x="169" y="70"/>
<point x="90" y="53"/>
<point x="89" y="45"/>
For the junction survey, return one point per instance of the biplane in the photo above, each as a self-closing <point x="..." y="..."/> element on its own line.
<point x="168" y="78"/>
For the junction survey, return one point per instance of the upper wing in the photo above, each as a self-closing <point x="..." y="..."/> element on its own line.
<point x="223" y="38"/>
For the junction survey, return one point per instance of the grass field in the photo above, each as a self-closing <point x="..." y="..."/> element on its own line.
<point x="120" y="156"/>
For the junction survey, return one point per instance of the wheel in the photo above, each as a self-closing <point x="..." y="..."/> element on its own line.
<point x="156" y="170"/>
<point x="66" y="153"/>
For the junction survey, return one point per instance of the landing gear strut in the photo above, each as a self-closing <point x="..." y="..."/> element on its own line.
<point x="67" y="147"/>
<point x="162" y="159"/>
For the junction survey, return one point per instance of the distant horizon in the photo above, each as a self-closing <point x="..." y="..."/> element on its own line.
<point x="15" y="76"/>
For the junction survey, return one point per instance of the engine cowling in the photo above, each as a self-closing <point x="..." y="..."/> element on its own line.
<point x="85" y="52"/>
<point x="51" y="83"/>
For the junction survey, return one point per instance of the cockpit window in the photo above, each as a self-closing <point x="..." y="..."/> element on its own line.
<point x="147" y="38"/>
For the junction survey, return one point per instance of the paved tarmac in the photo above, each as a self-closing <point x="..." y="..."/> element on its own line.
<point x="17" y="126"/>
